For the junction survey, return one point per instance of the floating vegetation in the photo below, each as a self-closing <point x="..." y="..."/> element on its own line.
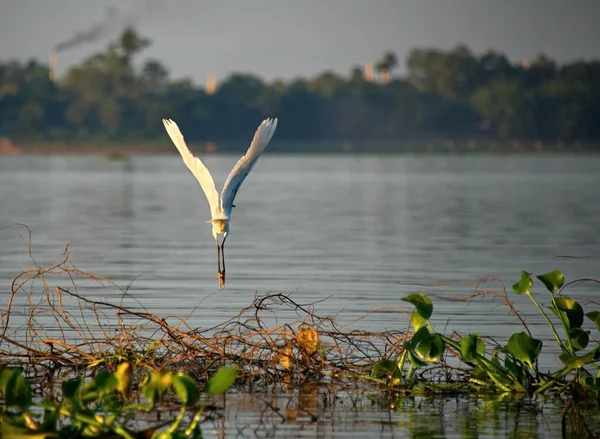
<point x="103" y="407"/>
<point x="112" y="361"/>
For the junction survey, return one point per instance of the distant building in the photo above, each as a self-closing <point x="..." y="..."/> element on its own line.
<point x="384" y="76"/>
<point x="211" y="84"/>
<point x="370" y="72"/>
<point x="53" y="65"/>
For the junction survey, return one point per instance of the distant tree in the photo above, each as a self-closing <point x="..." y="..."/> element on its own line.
<point x="357" y="75"/>
<point x="507" y="109"/>
<point x="385" y="65"/>
<point x="450" y="74"/>
<point x="540" y="70"/>
<point x="242" y="88"/>
<point x="447" y="93"/>
<point x="154" y="77"/>
<point x="130" y="44"/>
<point x="327" y="84"/>
<point x="106" y="87"/>
<point x="494" y="66"/>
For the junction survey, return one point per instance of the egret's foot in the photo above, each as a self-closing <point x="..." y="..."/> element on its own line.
<point x="221" y="275"/>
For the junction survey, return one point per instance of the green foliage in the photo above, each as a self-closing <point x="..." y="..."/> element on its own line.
<point x="553" y="280"/>
<point x="15" y="389"/>
<point x="523" y="286"/>
<point x="471" y="346"/>
<point x="579" y="338"/>
<point x="423" y="309"/>
<point x="594" y="316"/>
<point x="102" y="407"/>
<point x="111" y="97"/>
<point x="428" y="347"/>
<point x="508" y="368"/>
<point x="222" y="380"/>
<point x="187" y="390"/>
<point x="568" y="310"/>
<point x="524" y="348"/>
<point x="385" y="369"/>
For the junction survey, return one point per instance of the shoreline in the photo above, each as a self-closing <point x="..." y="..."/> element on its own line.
<point x="404" y="146"/>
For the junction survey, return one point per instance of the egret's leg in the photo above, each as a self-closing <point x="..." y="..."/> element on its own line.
<point x="223" y="252"/>
<point x="223" y="256"/>
<point x="219" y="256"/>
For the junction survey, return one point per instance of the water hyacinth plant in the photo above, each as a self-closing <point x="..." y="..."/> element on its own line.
<point x="508" y="368"/>
<point x="106" y="405"/>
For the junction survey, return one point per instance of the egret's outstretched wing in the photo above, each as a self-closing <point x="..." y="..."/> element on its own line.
<point x="244" y="165"/>
<point x="195" y="165"/>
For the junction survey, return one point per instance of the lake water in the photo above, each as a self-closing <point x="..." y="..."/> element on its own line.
<point x="352" y="233"/>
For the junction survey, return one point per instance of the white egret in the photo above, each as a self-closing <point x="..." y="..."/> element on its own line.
<point x="220" y="206"/>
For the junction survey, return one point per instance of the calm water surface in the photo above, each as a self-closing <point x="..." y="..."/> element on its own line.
<point x="358" y="231"/>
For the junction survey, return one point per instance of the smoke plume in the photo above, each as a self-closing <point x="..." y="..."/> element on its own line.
<point x="113" y="22"/>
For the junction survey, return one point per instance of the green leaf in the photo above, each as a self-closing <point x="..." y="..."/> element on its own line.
<point x="471" y="346"/>
<point x="422" y="304"/>
<point x="426" y="346"/>
<point x="186" y="389"/>
<point x="553" y="280"/>
<point x="155" y="385"/>
<point x="572" y="310"/>
<point x="423" y="348"/>
<point x="594" y="316"/>
<point x="110" y="404"/>
<point x="417" y="321"/>
<point x="419" y="336"/>
<point x="385" y="368"/>
<point x="479" y="373"/>
<point x="592" y="383"/>
<point x="105" y="381"/>
<point x="524" y="348"/>
<point x="579" y="338"/>
<point x="16" y="389"/>
<point x="515" y="369"/>
<point x="70" y="387"/>
<point x="222" y="380"/>
<point x="524" y="285"/>
<point x="415" y="361"/>
<point x="576" y="362"/>
<point x="438" y="346"/>
<point x="5" y="375"/>
<point x="495" y="355"/>
<point x="51" y="415"/>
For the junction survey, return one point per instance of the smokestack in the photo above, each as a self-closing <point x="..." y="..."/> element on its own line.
<point x="53" y="65"/>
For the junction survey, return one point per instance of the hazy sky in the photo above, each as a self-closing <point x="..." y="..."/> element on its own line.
<point x="289" y="38"/>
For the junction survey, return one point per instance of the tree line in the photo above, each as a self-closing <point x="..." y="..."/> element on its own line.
<point x="452" y="94"/>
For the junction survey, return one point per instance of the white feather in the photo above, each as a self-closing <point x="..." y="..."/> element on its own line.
<point x="195" y="165"/>
<point x="221" y="206"/>
<point x="244" y="165"/>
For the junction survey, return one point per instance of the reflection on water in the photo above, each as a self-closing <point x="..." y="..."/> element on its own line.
<point x="315" y="412"/>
